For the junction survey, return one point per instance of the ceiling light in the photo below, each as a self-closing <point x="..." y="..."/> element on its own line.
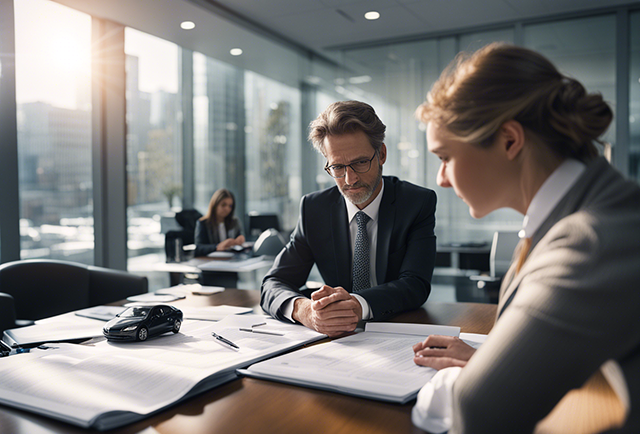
<point x="188" y="25"/>
<point x="372" y="15"/>
<point x="360" y="79"/>
<point x="235" y="51"/>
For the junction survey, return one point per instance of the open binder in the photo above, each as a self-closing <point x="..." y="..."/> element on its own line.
<point x="108" y="385"/>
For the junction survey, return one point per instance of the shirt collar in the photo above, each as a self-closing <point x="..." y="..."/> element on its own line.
<point x="371" y="210"/>
<point x="549" y="194"/>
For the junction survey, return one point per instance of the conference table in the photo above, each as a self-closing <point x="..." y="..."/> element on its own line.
<point x="247" y="405"/>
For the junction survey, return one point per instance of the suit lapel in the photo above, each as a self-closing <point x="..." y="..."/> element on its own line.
<point x="510" y="281"/>
<point x="340" y="242"/>
<point x="386" y="218"/>
<point x="576" y="198"/>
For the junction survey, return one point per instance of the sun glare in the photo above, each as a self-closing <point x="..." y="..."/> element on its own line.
<point x="53" y="54"/>
<point x="66" y="54"/>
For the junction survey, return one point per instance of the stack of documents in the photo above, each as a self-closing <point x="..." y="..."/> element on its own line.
<point x="108" y="384"/>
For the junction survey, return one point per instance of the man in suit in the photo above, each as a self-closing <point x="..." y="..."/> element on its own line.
<point x="373" y="265"/>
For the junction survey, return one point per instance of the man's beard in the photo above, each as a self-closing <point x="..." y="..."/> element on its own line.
<point x="361" y="197"/>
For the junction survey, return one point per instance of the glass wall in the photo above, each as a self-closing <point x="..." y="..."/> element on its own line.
<point x="154" y="148"/>
<point x="403" y="74"/>
<point x="634" y="99"/>
<point x="584" y="49"/>
<point x="273" y="144"/>
<point x="53" y="94"/>
<point x="218" y="118"/>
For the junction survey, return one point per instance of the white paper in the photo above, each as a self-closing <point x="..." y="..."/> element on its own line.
<point x="221" y="255"/>
<point x="374" y="364"/>
<point x="412" y="329"/>
<point x="212" y="313"/>
<point x="77" y="383"/>
<point x="152" y="297"/>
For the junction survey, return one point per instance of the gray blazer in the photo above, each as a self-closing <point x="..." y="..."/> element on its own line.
<point x="405" y="255"/>
<point x="574" y="305"/>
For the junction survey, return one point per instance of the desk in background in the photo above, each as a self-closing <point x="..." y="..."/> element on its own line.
<point x="225" y="275"/>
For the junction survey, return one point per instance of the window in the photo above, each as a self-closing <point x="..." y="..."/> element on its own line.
<point x="584" y="49"/>
<point x="218" y="117"/>
<point x="154" y="147"/>
<point x="634" y="98"/>
<point x="273" y="148"/>
<point x="53" y="93"/>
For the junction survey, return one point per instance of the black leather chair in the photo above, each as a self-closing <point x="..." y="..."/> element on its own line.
<point x="258" y="223"/>
<point x="43" y="288"/>
<point x="7" y="312"/>
<point x="187" y="219"/>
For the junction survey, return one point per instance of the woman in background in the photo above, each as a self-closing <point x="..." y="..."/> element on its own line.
<point x="512" y="131"/>
<point x="218" y="229"/>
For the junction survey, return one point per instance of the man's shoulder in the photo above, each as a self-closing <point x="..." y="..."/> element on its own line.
<point x="327" y="195"/>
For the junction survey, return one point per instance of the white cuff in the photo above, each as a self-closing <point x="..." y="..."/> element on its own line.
<point x="366" y="310"/>
<point x="287" y="308"/>
<point x="433" y="411"/>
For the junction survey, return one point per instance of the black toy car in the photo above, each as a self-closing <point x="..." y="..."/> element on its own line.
<point x="138" y="323"/>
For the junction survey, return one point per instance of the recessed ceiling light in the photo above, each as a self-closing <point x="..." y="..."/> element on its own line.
<point x="372" y="15"/>
<point x="188" y="25"/>
<point x="235" y="51"/>
<point x="360" y="79"/>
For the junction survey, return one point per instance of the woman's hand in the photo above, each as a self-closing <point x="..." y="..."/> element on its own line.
<point x="226" y="244"/>
<point x="441" y="352"/>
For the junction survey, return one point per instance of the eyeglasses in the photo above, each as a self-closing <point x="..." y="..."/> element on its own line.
<point x="340" y="170"/>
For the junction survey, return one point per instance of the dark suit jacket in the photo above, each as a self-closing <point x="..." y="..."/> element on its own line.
<point x="573" y="306"/>
<point x="405" y="255"/>
<point x="207" y="238"/>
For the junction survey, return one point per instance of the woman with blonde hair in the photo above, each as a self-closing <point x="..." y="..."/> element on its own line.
<point x="512" y="131"/>
<point x="218" y="229"/>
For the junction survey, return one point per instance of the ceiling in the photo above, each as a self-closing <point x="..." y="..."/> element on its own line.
<point x="324" y="25"/>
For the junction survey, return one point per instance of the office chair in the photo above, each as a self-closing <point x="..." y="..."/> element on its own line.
<point x="502" y="248"/>
<point x="7" y="313"/>
<point x="177" y="243"/>
<point x="258" y="223"/>
<point x="269" y="243"/>
<point x="43" y="288"/>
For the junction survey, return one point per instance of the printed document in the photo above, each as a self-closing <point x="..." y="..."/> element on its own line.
<point x="377" y="363"/>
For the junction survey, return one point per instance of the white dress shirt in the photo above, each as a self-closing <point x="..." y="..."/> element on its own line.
<point x="222" y="232"/>
<point x="372" y="210"/>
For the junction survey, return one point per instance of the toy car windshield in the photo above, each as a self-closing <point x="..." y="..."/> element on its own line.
<point x="135" y="312"/>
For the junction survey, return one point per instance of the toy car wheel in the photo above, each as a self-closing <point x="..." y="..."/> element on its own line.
<point x="143" y="334"/>
<point x="176" y="326"/>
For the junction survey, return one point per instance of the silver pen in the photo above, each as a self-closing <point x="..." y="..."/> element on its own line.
<point x="224" y="342"/>
<point x="262" y="332"/>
